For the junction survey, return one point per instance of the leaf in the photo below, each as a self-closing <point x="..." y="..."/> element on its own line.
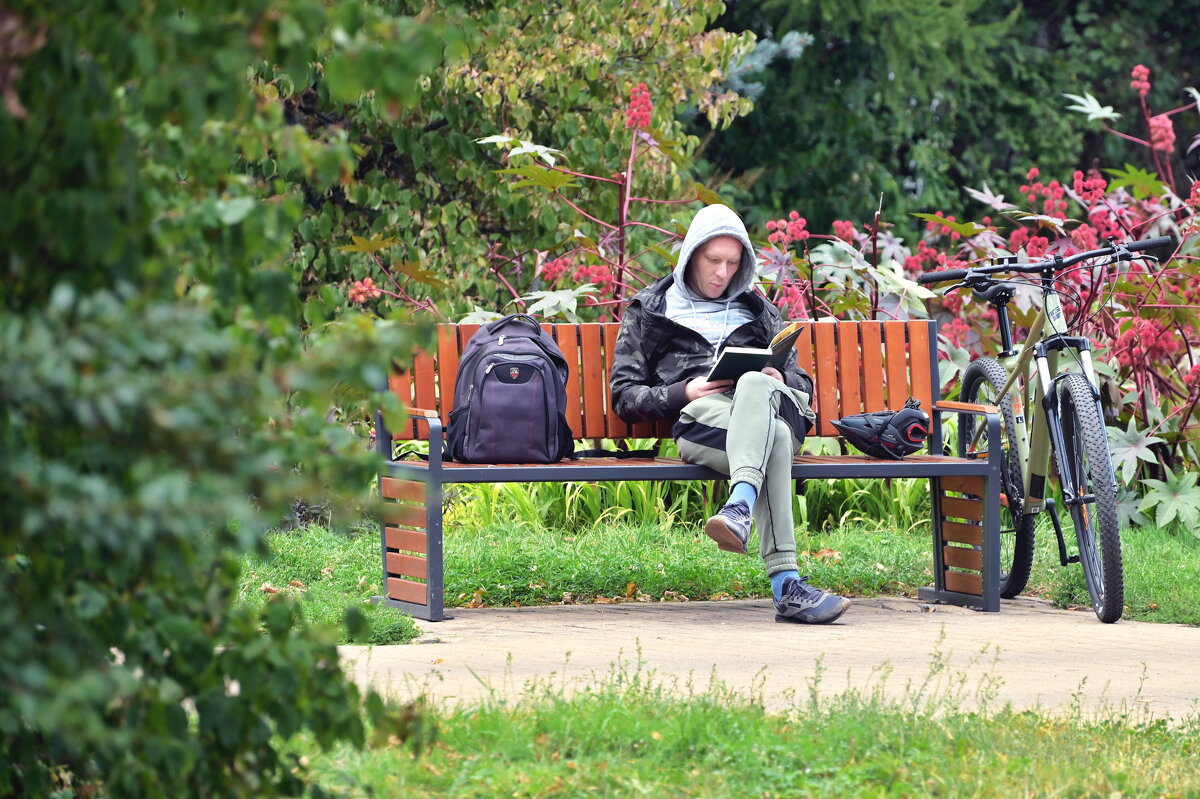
<point x="499" y="138"/>
<point x="707" y="195"/>
<point x="1087" y="104"/>
<point x="1128" y="446"/>
<point x="231" y="212"/>
<point x="1195" y="95"/>
<point x="539" y="176"/>
<point x="413" y="270"/>
<point x="479" y="316"/>
<point x="964" y="229"/>
<point x="1142" y="184"/>
<point x="373" y="244"/>
<point x="1048" y="221"/>
<point x="1175" y="499"/>
<point x="990" y="199"/>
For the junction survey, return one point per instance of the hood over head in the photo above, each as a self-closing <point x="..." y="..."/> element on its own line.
<point x="712" y="221"/>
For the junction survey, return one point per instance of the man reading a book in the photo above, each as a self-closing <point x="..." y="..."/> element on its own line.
<point x="671" y="334"/>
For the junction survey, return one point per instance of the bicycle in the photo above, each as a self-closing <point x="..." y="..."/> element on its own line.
<point x="1065" y="416"/>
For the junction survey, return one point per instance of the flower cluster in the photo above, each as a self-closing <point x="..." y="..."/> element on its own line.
<point x="1141" y="80"/>
<point x="790" y="301"/>
<point x="363" y="290"/>
<point x="786" y="231"/>
<point x="555" y="268"/>
<point x="957" y="331"/>
<point x="1146" y="341"/>
<point x="637" y="115"/>
<point x="1051" y="194"/>
<point x="1035" y="246"/>
<point x="1192" y="379"/>
<point x="844" y="230"/>
<point x="1162" y="133"/>
<point x="599" y="275"/>
<point x="1105" y="223"/>
<point x="1091" y="187"/>
<point x="1085" y="237"/>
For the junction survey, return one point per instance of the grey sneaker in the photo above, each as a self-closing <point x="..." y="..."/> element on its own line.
<point x="803" y="604"/>
<point x="730" y="528"/>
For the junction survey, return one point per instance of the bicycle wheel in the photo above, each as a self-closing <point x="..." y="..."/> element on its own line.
<point x="981" y="383"/>
<point x="1089" y="462"/>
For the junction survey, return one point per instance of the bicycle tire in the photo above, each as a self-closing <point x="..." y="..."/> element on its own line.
<point x="981" y="383"/>
<point x="1097" y="533"/>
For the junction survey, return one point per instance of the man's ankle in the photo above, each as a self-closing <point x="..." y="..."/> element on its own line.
<point x="779" y="578"/>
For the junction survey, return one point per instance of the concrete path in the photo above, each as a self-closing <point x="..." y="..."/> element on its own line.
<point x="1029" y="654"/>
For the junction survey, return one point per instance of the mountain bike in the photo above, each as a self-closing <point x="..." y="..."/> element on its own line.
<point x="1053" y="377"/>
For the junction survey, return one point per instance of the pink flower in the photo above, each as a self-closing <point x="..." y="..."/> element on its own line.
<point x="844" y="230"/>
<point x="553" y="269"/>
<point x="1141" y="80"/>
<point x="1162" y="133"/>
<point x="637" y="115"/>
<point x="363" y="290"/>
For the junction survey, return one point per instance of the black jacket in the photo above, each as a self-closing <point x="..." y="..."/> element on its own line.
<point x="656" y="357"/>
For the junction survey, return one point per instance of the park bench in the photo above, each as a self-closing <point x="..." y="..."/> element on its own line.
<point x="856" y="366"/>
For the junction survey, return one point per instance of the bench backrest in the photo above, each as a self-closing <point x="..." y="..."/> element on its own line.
<point x="856" y="367"/>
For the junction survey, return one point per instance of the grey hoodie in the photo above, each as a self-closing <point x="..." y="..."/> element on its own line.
<point x="713" y="319"/>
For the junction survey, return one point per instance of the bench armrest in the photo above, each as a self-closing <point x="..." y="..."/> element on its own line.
<point x="966" y="407"/>
<point x="432" y="420"/>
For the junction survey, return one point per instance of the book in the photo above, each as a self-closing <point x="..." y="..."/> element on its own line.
<point x="733" y="362"/>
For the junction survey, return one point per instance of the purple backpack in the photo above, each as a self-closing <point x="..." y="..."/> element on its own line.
<point x="510" y="398"/>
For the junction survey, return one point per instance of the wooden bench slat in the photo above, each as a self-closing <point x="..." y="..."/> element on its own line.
<point x="407" y="565"/>
<point x="959" y="533"/>
<point x="825" y="378"/>
<point x="963" y="484"/>
<point x="567" y="338"/>
<point x="404" y="515"/>
<point x="963" y="558"/>
<point x="871" y="334"/>
<point x="919" y="364"/>
<point x="424" y="387"/>
<point x="400" y="384"/>
<point x="896" y="368"/>
<point x="407" y="591"/>
<point x="850" y="372"/>
<point x="962" y="508"/>
<point x="595" y="387"/>
<point x="405" y="540"/>
<point x="804" y="349"/>
<point x="964" y="583"/>
<point x="412" y="490"/>
<point x="448" y="349"/>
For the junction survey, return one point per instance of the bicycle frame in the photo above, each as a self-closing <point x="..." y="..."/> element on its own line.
<point x="1038" y="360"/>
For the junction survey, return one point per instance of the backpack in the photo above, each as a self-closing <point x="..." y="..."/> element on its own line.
<point x="510" y="397"/>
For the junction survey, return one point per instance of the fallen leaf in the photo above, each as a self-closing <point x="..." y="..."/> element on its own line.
<point x="880" y="567"/>
<point x="267" y="588"/>
<point x="603" y="600"/>
<point x="296" y="584"/>
<point x="631" y="589"/>
<point x="828" y="554"/>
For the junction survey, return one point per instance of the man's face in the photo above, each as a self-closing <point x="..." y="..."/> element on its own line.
<point x="713" y="266"/>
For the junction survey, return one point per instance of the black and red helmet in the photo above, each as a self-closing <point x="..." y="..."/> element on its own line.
<point x="887" y="434"/>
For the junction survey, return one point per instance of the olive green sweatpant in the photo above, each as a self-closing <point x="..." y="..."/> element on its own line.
<point x="751" y="435"/>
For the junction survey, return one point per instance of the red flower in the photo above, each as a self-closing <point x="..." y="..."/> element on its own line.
<point x="1162" y="133"/>
<point x="637" y="115"/>
<point x="1141" y="80"/>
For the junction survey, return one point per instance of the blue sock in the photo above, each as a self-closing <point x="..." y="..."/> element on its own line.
<point x="744" y="492"/>
<point x="777" y="581"/>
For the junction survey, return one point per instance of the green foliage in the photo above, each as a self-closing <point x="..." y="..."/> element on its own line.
<point x="159" y="409"/>
<point x="332" y="576"/>
<point x="911" y="101"/>
<point x="418" y="173"/>
<point x="633" y="731"/>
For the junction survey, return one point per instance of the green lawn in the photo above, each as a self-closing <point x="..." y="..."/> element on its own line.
<point x="631" y="735"/>
<point x="526" y="565"/>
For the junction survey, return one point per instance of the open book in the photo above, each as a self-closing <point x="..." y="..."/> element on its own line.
<point x="733" y="362"/>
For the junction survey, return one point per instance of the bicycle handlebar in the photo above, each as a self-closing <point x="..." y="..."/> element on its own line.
<point x="1052" y="263"/>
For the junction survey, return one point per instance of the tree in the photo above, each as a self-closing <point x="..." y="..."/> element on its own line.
<point x="157" y="399"/>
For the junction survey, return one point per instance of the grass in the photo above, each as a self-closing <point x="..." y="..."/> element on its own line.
<point x="631" y="734"/>
<point x="527" y="564"/>
<point x="328" y="572"/>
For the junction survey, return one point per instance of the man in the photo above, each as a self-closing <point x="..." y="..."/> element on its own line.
<point x="670" y="334"/>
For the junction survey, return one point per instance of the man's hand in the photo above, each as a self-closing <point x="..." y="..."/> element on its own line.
<point x="771" y="371"/>
<point x="699" y="387"/>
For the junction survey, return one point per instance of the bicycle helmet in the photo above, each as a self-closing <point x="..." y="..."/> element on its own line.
<point x="887" y="434"/>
